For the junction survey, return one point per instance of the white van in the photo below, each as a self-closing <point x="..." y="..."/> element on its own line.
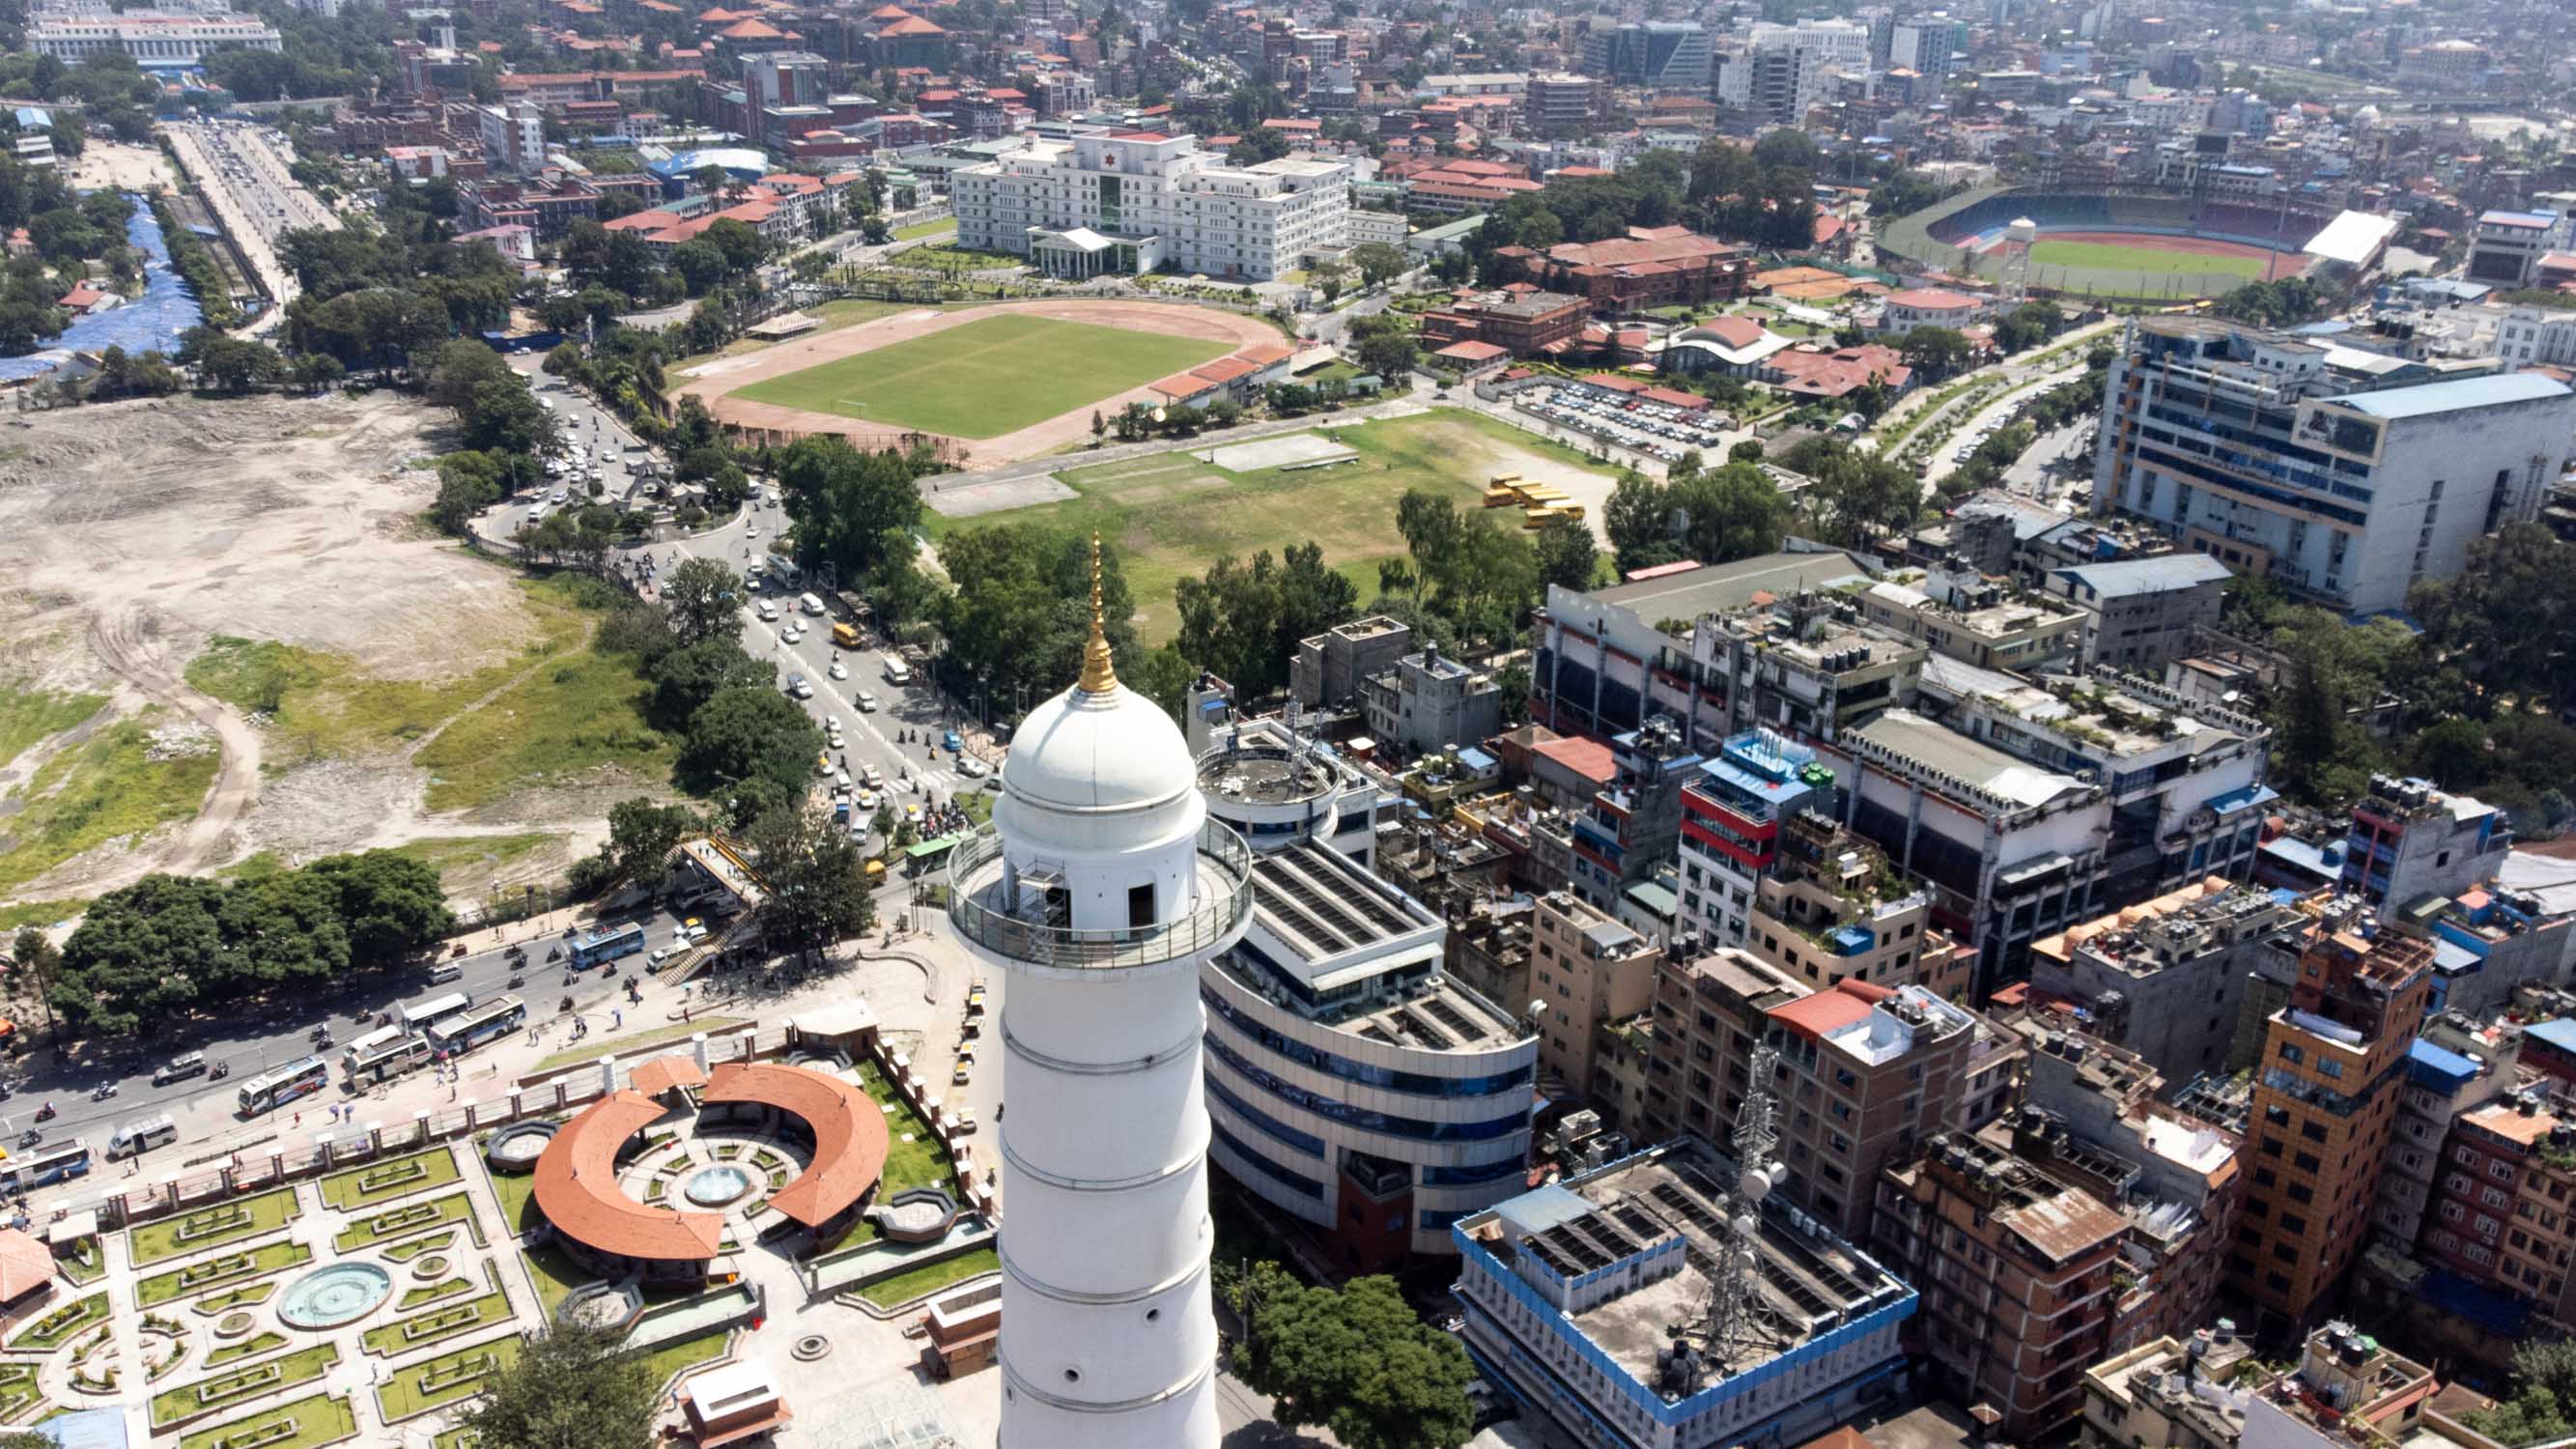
<point x="141" y="1136"/>
<point x="768" y="612"/>
<point x="898" y="673"/>
<point x="810" y="604"/>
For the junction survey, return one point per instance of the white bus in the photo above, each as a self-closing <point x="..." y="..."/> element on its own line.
<point x="141" y="1136"/>
<point x="420" y="1015"/>
<point x="368" y="1044"/>
<point x="810" y="604"/>
<point x="384" y="1060"/>
<point x="461" y="1034"/>
<point x="300" y="1078"/>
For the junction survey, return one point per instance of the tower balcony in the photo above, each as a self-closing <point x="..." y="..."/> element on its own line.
<point x="1017" y="914"/>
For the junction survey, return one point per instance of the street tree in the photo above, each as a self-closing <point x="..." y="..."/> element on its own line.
<point x="571" y="1388"/>
<point x="814" y="876"/>
<point x="744" y="735"/>
<point x="1358" y="1361"/>
<point x="704" y="598"/>
<point x="641" y="837"/>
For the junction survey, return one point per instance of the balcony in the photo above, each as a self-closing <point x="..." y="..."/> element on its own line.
<point x="1016" y="920"/>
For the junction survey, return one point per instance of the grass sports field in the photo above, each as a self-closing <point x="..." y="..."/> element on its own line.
<point x="2148" y="260"/>
<point x="1171" y="513"/>
<point x="988" y="377"/>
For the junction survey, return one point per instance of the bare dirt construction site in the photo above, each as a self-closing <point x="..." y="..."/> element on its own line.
<point x="228" y="638"/>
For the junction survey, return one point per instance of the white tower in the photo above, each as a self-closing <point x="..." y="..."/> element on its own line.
<point x="2020" y="235"/>
<point x="1101" y="887"/>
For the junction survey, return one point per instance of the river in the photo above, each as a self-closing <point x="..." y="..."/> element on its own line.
<point x="153" y="320"/>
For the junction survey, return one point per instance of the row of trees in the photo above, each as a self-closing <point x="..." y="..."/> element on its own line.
<point x="1762" y="195"/>
<point x="1715" y="515"/>
<point x="168" y="946"/>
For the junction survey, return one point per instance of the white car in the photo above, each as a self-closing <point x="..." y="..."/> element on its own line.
<point x="866" y="700"/>
<point x="751" y="530"/>
<point x="791" y="632"/>
<point x="838" y="670"/>
<point x="972" y="768"/>
<point x="867" y="800"/>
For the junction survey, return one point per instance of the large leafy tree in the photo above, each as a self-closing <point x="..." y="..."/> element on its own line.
<point x="689" y="676"/>
<point x="1357" y="1361"/>
<point x="571" y="1388"/>
<point x="392" y="903"/>
<point x="2508" y="614"/>
<point x="704" y="598"/>
<point x="851" y="509"/>
<point x="744" y="735"/>
<point x="1244" y="620"/>
<point x="812" y="871"/>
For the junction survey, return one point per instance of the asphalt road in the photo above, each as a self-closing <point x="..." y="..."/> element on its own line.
<point x="257" y="1040"/>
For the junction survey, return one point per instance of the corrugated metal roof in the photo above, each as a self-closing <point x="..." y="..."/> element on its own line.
<point x="2429" y="398"/>
<point x="2147" y="575"/>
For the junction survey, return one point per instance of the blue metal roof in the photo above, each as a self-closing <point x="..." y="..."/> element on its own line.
<point x="86" y="1429"/>
<point x="2426" y="399"/>
<point x="1542" y="1208"/>
<point x="2438" y="1069"/>
<point x="2148" y="575"/>
<point x="2560" y="1033"/>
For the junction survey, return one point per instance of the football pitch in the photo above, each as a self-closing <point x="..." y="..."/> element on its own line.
<point x="2150" y="261"/>
<point x="986" y="378"/>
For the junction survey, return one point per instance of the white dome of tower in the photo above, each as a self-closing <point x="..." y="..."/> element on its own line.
<point x="1110" y="749"/>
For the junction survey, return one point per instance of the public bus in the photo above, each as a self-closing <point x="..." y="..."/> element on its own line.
<point x="44" y="1166"/>
<point x="460" y="1034"/>
<point x="603" y="946"/>
<point x="271" y="1090"/>
<point x="372" y="1041"/>
<point x="383" y="1060"/>
<point x="421" y="1015"/>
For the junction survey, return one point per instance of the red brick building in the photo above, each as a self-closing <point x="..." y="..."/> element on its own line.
<point x="1530" y="324"/>
<point x="1662" y="266"/>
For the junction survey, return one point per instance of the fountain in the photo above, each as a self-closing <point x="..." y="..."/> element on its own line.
<point x="716" y="1186"/>
<point x="332" y="1296"/>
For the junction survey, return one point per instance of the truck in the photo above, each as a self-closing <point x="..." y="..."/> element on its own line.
<point x="845" y="635"/>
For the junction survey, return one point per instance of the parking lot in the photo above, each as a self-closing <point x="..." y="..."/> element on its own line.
<point x="1659" y="430"/>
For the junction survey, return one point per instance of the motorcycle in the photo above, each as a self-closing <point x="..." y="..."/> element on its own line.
<point x="45" y="1113"/>
<point x="219" y="1071"/>
<point x="30" y="1138"/>
<point x="108" y="1089"/>
<point x="564" y="1005"/>
<point x="517" y="980"/>
<point x="555" y="954"/>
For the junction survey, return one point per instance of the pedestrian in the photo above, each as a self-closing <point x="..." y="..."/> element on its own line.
<point x="299" y="1120"/>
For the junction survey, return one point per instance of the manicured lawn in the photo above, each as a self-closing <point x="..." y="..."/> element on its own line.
<point x="922" y="1162"/>
<point x="932" y="227"/>
<point x="621" y="1043"/>
<point x="987" y="377"/>
<point x="263" y="1260"/>
<point x="392" y="1178"/>
<point x="250" y="1381"/>
<point x="265" y="1213"/>
<point x="411" y="1391"/>
<point x="18" y="1391"/>
<point x="404" y="1219"/>
<point x="430" y="1293"/>
<point x="251" y="1347"/>
<point x="517" y="1194"/>
<point x="1171" y="514"/>
<point x="102" y="788"/>
<point x="930" y="1278"/>
<point x="688" y="1353"/>
<point x="61" y="1325"/>
<point x="217" y="1303"/>
<point x="87" y="1263"/>
<point x="555" y="1274"/>
<point x="2046" y="253"/>
<point x="319" y="1420"/>
<point x="452" y="1318"/>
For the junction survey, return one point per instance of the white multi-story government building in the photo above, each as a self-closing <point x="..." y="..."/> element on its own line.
<point x="170" y="36"/>
<point x="1134" y="201"/>
<point x="1101" y="888"/>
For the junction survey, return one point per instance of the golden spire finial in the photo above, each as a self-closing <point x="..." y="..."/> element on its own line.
<point x="1098" y="674"/>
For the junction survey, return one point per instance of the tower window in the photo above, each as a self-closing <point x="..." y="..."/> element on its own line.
<point x="1140" y="905"/>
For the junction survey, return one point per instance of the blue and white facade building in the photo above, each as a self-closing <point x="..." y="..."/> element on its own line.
<point x="1574" y="1293"/>
<point x="1350" y="1084"/>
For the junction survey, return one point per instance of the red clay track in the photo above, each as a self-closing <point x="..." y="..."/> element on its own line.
<point x="2276" y="264"/>
<point x="716" y="381"/>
